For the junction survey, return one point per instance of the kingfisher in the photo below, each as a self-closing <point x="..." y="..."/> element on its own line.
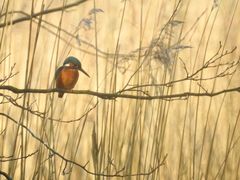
<point x="67" y="75"/>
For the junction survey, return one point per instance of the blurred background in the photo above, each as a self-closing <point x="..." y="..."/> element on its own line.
<point x="128" y="47"/>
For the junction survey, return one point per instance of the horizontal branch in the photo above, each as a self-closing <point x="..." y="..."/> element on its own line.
<point x="44" y="12"/>
<point x="112" y="96"/>
<point x="7" y="159"/>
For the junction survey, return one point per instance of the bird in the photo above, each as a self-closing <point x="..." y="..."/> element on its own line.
<point x="67" y="75"/>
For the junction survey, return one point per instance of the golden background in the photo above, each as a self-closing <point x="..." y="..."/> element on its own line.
<point x="131" y="136"/>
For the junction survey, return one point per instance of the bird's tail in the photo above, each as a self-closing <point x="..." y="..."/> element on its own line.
<point x="60" y="95"/>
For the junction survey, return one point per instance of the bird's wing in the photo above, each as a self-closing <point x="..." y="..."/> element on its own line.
<point x="57" y="72"/>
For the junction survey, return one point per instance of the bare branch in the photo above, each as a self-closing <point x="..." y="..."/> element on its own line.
<point x="78" y="119"/>
<point x="9" y="76"/>
<point x="5" y="175"/>
<point x="210" y="63"/>
<point x="10" y="158"/>
<point x="44" y="12"/>
<point x="113" y="96"/>
<point x="76" y="163"/>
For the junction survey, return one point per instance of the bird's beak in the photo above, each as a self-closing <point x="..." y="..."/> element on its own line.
<point x="84" y="72"/>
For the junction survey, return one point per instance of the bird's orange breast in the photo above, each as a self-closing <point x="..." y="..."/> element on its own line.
<point x="67" y="78"/>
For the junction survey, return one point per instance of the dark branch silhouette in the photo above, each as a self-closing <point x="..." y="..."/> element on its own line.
<point x="7" y="159"/>
<point x="5" y="175"/>
<point x="76" y="163"/>
<point x="112" y="96"/>
<point x="44" y="12"/>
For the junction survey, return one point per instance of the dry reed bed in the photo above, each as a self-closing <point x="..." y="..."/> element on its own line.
<point x="132" y="48"/>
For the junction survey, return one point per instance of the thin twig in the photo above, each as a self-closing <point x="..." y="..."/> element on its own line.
<point x="76" y="163"/>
